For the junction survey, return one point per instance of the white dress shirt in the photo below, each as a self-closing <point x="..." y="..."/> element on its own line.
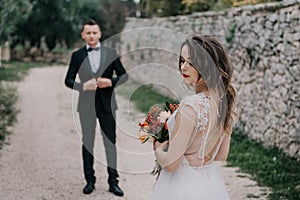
<point x="94" y="57"/>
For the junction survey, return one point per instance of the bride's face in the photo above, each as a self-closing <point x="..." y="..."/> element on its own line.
<point x="189" y="73"/>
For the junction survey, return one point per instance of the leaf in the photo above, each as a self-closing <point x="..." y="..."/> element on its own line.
<point x="145" y="140"/>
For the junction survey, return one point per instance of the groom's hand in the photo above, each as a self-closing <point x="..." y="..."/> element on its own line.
<point x="90" y="85"/>
<point x="104" y="82"/>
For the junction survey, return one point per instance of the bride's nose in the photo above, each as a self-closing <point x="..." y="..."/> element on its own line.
<point x="184" y="66"/>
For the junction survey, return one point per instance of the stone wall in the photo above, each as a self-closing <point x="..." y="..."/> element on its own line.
<point x="36" y="55"/>
<point x="263" y="43"/>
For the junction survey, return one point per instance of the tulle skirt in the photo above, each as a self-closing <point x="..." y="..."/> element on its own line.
<point x="190" y="183"/>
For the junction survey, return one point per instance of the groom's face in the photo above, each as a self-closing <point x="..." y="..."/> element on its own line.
<point x="91" y="34"/>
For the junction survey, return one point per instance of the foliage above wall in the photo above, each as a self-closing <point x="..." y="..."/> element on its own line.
<point x="163" y="8"/>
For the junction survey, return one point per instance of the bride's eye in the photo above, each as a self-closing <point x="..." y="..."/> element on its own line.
<point x="190" y="64"/>
<point x="181" y="61"/>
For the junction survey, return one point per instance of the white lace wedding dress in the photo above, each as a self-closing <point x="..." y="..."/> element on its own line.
<point x="194" y="130"/>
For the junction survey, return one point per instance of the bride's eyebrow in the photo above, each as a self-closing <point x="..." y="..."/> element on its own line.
<point x="185" y="59"/>
<point x="188" y="58"/>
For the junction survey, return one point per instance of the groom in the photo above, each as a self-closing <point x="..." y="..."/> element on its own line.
<point x="99" y="70"/>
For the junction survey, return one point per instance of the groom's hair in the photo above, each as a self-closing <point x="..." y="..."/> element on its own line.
<point x="90" y="22"/>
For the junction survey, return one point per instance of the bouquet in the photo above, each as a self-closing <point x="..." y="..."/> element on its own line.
<point x="155" y="126"/>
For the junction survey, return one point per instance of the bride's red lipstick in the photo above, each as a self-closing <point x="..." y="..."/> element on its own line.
<point x="185" y="76"/>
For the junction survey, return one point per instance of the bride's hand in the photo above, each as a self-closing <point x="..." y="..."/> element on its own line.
<point x="157" y="146"/>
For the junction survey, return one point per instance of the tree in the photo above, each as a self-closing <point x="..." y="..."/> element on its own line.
<point x="191" y="6"/>
<point x="114" y="16"/>
<point x="162" y="8"/>
<point x="111" y="15"/>
<point x="12" y="13"/>
<point x="54" y="20"/>
<point x="60" y="21"/>
<point x="171" y="7"/>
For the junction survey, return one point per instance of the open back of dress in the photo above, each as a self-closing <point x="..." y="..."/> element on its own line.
<point x="196" y="147"/>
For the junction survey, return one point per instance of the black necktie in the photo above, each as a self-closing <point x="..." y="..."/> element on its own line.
<point x="93" y="49"/>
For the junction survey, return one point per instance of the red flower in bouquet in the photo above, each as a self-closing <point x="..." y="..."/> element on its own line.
<point x="172" y="107"/>
<point x="155" y="124"/>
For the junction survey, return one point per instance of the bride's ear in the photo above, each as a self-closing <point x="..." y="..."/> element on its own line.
<point x="199" y="77"/>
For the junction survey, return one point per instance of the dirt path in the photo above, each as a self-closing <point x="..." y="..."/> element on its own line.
<point x="43" y="158"/>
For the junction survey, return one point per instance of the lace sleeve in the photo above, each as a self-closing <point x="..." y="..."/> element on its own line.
<point x="201" y="106"/>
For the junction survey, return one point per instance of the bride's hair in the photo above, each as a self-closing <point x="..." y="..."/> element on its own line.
<point x="211" y="61"/>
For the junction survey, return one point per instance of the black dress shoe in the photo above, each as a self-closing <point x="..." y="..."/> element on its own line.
<point x="116" y="190"/>
<point x="88" y="189"/>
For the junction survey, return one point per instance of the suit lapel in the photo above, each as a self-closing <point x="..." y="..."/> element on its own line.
<point x="102" y="62"/>
<point x="86" y="63"/>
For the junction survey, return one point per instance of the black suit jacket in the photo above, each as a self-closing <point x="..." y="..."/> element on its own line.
<point x="101" y="99"/>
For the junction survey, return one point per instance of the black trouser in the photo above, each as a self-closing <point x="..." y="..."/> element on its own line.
<point x="108" y="132"/>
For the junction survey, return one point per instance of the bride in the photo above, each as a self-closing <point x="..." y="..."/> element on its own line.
<point x="200" y="128"/>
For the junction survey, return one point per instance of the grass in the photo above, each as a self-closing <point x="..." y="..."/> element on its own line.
<point x="268" y="167"/>
<point x="10" y="72"/>
<point x="144" y="96"/>
<point x="15" y="71"/>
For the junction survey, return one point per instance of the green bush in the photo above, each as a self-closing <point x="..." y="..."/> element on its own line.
<point x="8" y="98"/>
